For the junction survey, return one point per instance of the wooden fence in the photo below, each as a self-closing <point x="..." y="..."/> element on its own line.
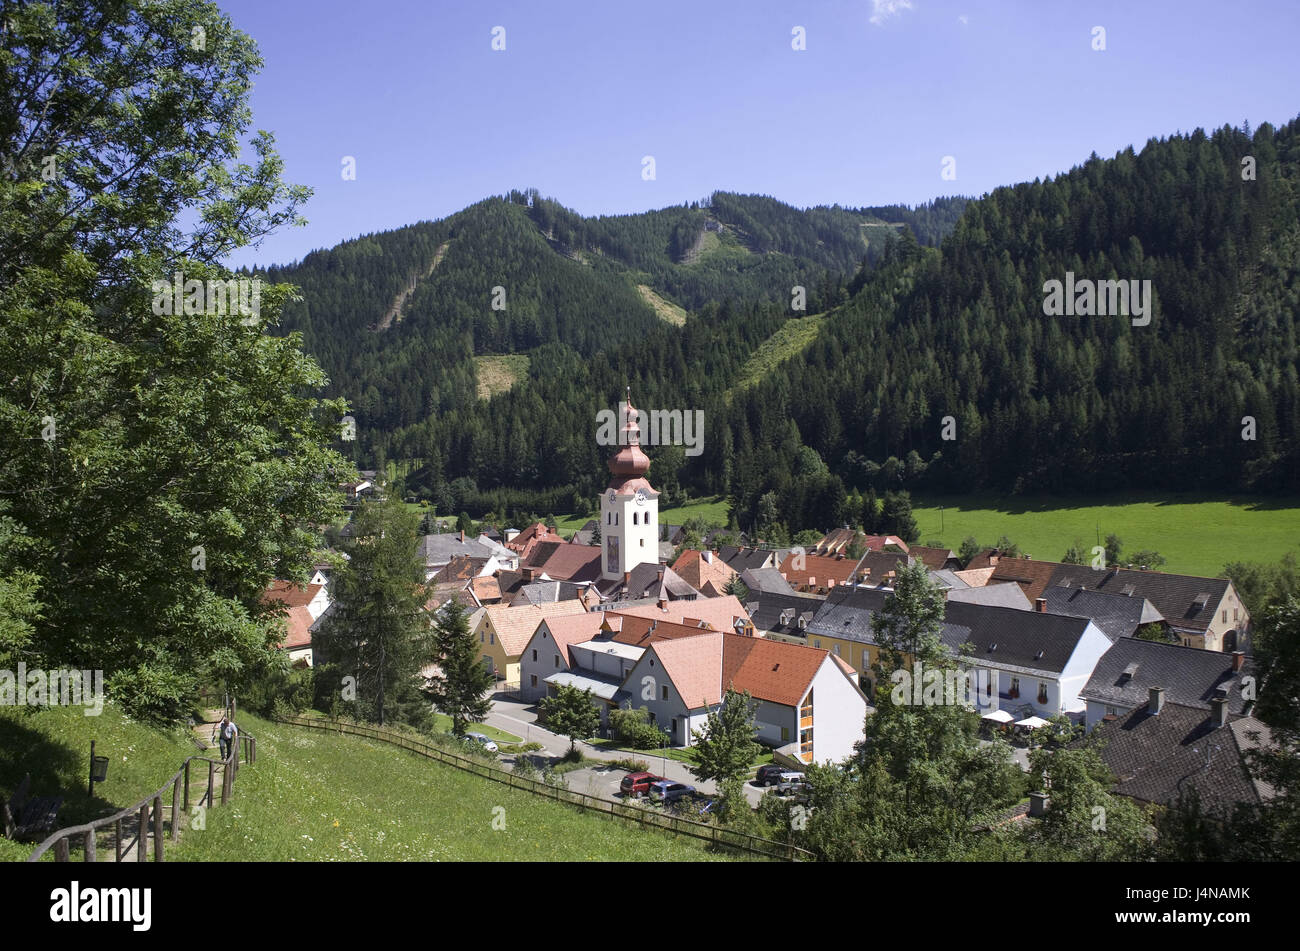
<point x="146" y="816"/>
<point x="608" y="807"/>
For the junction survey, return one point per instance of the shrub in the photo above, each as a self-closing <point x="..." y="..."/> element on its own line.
<point x="633" y="727"/>
<point x="631" y="764"/>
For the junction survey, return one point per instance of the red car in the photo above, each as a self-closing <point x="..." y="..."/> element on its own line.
<point x="638" y="784"/>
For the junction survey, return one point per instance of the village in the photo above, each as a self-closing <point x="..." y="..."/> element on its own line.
<point x="1157" y="664"/>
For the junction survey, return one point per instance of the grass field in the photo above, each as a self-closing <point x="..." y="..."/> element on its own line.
<point x="53" y="744"/>
<point x="1196" y="535"/>
<point x="321" y="797"/>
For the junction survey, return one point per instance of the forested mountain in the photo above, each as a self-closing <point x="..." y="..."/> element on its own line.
<point x="563" y="279"/>
<point x="1038" y="402"/>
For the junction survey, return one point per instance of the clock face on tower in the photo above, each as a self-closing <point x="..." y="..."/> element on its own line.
<point x="612" y="495"/>
<point x="640" y="497"/>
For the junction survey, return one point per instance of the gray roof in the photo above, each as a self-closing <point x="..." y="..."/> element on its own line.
<point x="1006" y="595"/>
<point x="644" y="581"/>
<point x="1176" y="597"/>
<point x="766" y="579"/>
<point x="997" y="635"/>
<point x="781" y="612"/>
<point x="548" y="592"/>
<point x="583" y="536"/>
<point x="603" y="687"/>
<point x="1155" y="758"/>
<point x="740" y="559"/>
<point x="1126" y="673"/>
<point x="440" y="549"/>
<point x="1116" y="614"/>
<point x="945" y="578"/>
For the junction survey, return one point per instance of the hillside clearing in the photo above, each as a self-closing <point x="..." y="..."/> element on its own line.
<point x="665" y="309"/>
<point x="496" y="374"/>
<point x="790" y="340"/>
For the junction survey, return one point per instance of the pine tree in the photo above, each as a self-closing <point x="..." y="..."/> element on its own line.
<point x="377" y="630"/>
<point x="460" y="689"/>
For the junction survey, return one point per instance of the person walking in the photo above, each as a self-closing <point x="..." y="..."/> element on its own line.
<point x="231" y="735"/>
<point x="222" y="736"/>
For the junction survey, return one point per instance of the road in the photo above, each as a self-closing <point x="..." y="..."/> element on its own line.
<point x="521" y="719"/>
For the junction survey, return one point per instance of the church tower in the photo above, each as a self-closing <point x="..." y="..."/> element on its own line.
<point x="629" y="509"/>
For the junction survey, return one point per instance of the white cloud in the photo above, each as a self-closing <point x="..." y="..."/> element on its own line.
<point x="963" y="19"/>
<point x="882" y="10"/>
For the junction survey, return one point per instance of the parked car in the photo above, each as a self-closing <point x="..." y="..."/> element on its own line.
<point x="482" y="741"/>
<point x="770" y="774"/>
<point x="638" y="784"/>
<point x="668" y="791"/>
<point x="784" y="779"/>
<point x="794" y="785"/>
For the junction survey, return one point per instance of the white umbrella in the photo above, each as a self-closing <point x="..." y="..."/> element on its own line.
<point x="999" y="716"/>
<point x="1032" y="723"/>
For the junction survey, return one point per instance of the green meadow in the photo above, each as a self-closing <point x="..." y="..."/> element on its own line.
<point x="1196" y="535"/>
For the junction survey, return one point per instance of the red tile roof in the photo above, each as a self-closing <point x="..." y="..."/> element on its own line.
<point x="692" y="568"/>
<point x="643" y="631"/>
<point x="289" y="594"/>
<point x="817" y="570"/>
<point x="719" y="612"/>
<point x="774" y="671"/>
<point x="514" y="626"/>
<point x="298" y="621"/>
<point x="565" y="561"/>
<point x="694" y="665"/>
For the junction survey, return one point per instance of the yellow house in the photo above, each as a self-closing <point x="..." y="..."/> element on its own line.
<point x="504" y="631"/>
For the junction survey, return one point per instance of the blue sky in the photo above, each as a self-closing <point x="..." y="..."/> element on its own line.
<point x="713" y="90"/>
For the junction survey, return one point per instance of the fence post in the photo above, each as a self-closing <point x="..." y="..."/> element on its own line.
<point x="157" y="829"/>
<point x="212" y="779"/>
<point x="61" y="850"/>
<point x="227" y="781"/>
<point x="186" y="807"/>
<point x="117" y="839"/>
<point x="90" y="846"/>
<point x="176" y="819"/>
<point x="142" y="840"/>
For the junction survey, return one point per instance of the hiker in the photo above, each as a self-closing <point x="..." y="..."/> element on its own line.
<point x="229" y="735"/>
<point x="222" y="735"/>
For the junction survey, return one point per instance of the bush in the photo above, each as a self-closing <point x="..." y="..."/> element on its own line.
<point x="631" y="764"/>
<point x="633" y="728"/>
<point x="524" y="767"/>
<point x="153" y="694"/>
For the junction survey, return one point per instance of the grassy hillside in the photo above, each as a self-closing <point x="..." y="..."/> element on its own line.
<point x="666" y="309"/>
<point x="53" y="745"/>
<point x="712" y="509"/>
<point x="792" y="339"/>
<point x="321" y="797"/>
<point x="1196" y="535"/>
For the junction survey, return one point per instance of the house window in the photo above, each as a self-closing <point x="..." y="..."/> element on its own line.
<point x="492" y="639"/>
<point x="1236" y="614"/>
<point x="1015" y="687"/>
<point x="643" y="543"/>
<point x="533" y="680"/>
<point x="806" y="708"/>
<point x="1042" y="692"/>
<point x="665" y="692"/>
<point x="534" y="656"/>
<point x="785" y="734"/>
<point x="481" y="637"/>
<point x="634" y="515"/>
<point x="557" y="661"/>
<point x="837" y="650"/>
<point x="1111" y="711"/>
<point x="1225" y="615"/>
<point x="817" y="642"/>
<point x="806" y="741"/>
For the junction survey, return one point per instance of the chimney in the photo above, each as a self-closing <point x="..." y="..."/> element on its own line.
<point x="1037" y="804"/>
<point x="462" y="535"/>
<point x="707" y="556"/>
<point x="1040" y="605"/>
<point x="1219" y="711"/>
<point x="663" y="603"/>
<point x="1238" y="658"/>
<point x="1156" y="701"/>
<point x="627" y="578"/>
